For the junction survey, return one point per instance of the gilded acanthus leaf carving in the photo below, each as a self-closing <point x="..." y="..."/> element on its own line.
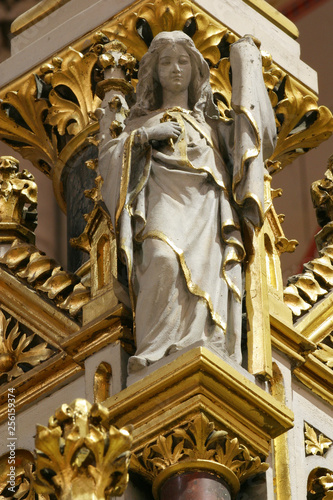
<point x="18" y="350"/>
<point x="136" y="29"/>
<point x="22" y="119"/>
<point x="197" y="441"/>
<point x="71" y="97"/>
<point x="315" y="443"/>
<point x="301" y="123"/>
<point x="80" y="454"/>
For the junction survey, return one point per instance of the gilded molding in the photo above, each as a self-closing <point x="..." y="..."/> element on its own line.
<point x="81" y="454"/>
<point x="40" y="381"/>
<point x="315" y="375"/>
<point x="35" y="14"/>
<point x="288" y="340"/>
<point x="281" y="449"/>
<point x="196" y="381"/>
<point x="315" y="443"/>
<point x="197" y="445"/>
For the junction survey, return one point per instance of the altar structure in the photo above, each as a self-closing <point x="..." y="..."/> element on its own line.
<point x="195" y="424"/>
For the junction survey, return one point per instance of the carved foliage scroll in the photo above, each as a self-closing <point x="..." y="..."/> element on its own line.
<point x="19" y="351"/>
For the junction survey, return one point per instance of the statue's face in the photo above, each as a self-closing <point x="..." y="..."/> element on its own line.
<point x="174" y="69"/>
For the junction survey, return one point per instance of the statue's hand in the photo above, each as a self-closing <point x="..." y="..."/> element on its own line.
<point x="164" y="131"/>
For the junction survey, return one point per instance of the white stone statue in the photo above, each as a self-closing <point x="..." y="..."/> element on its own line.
<point x="177" y="182"/>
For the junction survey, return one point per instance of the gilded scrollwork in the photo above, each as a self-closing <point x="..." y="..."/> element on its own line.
<point x="80" y="453"/>
<point x="22" y="124"/>
<point x="19" y="352"/>
<point x="193" y="444"/>
<point x="315" y="442"/>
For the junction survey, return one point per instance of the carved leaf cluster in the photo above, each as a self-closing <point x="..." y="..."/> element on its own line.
<point x="198" y="440"/>
<point x="44" y="115"/>
<point x="18" y="350"/>
<point x="315" y="444"/>
<point x="80" y="451"/>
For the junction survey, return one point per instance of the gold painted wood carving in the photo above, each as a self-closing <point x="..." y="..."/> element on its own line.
<point x="46" y="276"/>
<point x="18" y="482"/>
<point x="197" y="445"/>
<point x="315" y="443"/>
<point x="320" y="484"/>
<point x="19" y="352"/>
<point x="80" y="455"/>
<point x="16" y="190"/>
<point x="325" y="351"/>
<point x="316" y="281"/>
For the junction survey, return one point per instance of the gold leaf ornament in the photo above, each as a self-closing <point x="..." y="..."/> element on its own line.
<point x="302" y="125"/>
<point x="17" y="349"/>
<point x="27" y="133"/>
<point x="315" y="444"/>
<point x="197" y="442"/>
<point x="86" y="456"/>
<point x="73" y="113"/>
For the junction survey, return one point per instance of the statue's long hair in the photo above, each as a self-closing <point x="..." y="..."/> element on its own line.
<point x="149" y="91"/>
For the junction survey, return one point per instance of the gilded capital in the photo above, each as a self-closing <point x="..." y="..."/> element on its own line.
<point x="197" y="445"/>
<point x="81" y="455"/>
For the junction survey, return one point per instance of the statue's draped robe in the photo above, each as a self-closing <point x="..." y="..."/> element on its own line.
<point x="174" y="208"/>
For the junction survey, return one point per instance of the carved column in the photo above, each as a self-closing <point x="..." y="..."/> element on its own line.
<point x="194" y="486"/>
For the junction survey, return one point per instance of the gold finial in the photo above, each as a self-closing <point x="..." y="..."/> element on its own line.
<point x="81" y="455"/>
